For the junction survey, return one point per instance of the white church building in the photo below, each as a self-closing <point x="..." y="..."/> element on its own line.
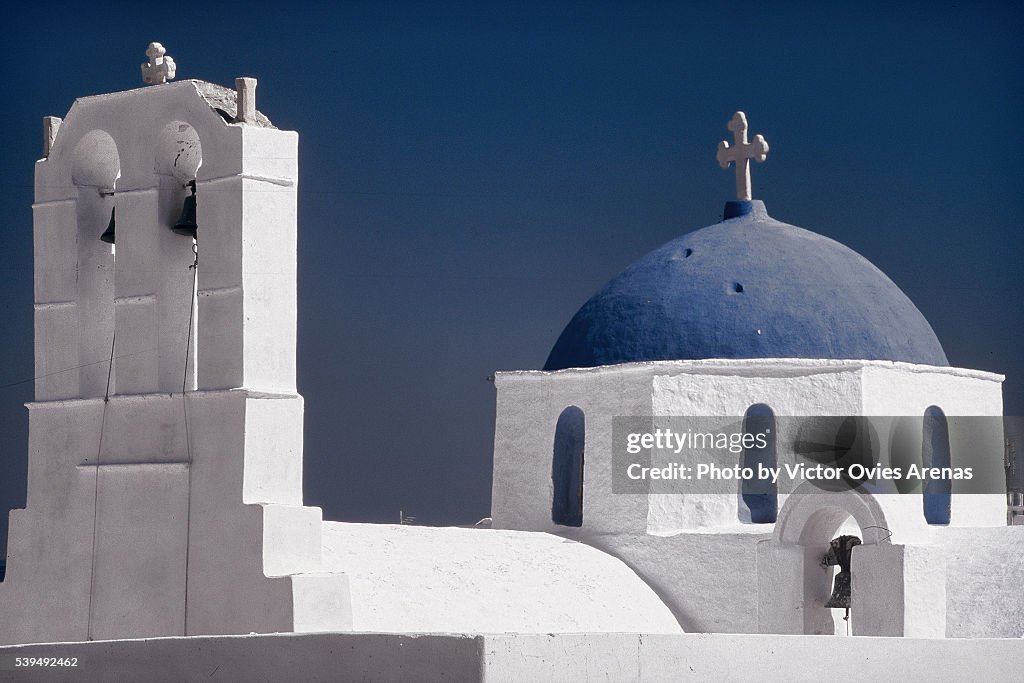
<point x="164" y="529"/>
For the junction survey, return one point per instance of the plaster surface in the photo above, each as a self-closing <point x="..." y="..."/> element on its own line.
<point x="520" y="657"/>
<point x="985" y="571"/>
<point x="408" y="578"/>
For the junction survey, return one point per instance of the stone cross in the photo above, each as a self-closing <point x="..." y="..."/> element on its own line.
<point x="160" y="68"/>
<point x="741" y="152"/>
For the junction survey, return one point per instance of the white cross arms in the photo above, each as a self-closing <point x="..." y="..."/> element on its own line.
<point x="741" y="152"/>
<point x="160" y="67"/>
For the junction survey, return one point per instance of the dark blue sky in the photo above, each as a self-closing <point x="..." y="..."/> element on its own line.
<point x="471" y="174"/>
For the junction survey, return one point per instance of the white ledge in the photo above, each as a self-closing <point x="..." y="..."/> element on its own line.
<point x="747" y="366"/>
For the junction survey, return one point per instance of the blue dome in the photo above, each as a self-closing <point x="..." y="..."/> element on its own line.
<point x="748" y="287"/>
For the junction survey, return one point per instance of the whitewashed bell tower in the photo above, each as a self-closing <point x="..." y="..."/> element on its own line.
<point x="165" y="443"/>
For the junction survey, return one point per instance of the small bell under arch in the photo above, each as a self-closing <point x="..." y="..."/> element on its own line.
<point x="108" y="234"/>
<point x="839" y="552"/>
<point x="186" y="224"/>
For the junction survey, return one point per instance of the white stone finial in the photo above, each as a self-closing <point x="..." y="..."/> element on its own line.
<point x="245" y="98"/>
<point x="51" y="124"/>
<point x="160" y="68"/>
<point x="741" y="153"/>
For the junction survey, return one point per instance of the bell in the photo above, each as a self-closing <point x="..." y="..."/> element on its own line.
<point x="839" y="551"/>
<point x="840" y="591"/>
<point x="108" y="234"/>
<point x="186" y="224"/>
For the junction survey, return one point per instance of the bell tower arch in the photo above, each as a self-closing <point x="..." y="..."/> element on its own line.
<point x="795" y="581"/>
<point x="165" y="438"/>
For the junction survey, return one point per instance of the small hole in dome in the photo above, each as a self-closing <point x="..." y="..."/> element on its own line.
<point x="687" y="252"/>
<point x="737" y="287"/>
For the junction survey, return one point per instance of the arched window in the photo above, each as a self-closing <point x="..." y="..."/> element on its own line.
<point x="95" y="171"/>
<point x="935" y="453"/>
<point x="760" y="497"/>
<point x="567" y="468"/>
<point x="904" y="452"/>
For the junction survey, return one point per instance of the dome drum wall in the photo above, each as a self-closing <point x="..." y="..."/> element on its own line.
<point x="671" y="540"/>
<point x="748" y="287"/>
<point x="530" y="403"/>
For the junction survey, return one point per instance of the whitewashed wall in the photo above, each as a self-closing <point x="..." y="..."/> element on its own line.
<point x="497" y="658"/>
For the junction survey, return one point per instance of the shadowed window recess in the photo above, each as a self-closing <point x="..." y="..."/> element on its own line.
<point x="567" y="468"/>
<point x="760" y="497"/>
<point x="935" y="453"/>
